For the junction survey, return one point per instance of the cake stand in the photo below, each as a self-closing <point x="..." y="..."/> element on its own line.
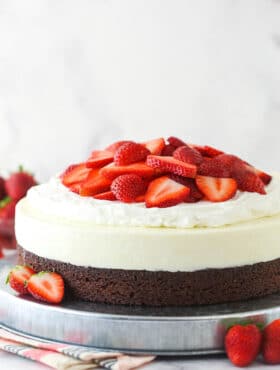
<point x="161" y="331"/>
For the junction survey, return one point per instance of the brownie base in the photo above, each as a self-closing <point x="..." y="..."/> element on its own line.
<point x="161" y="288"/>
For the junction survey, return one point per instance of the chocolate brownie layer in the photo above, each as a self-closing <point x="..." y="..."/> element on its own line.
<point x="162" y="288"/>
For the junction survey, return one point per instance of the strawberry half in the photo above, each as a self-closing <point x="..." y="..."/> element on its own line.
<point x="113" y="147"/>
<point x="47" y="287"/>
<point x="140" y="168"/>
<point x="176" y="142"/>
<point x="94" y="184"/>
<point x="155" y="146"/>
<point x="188" y="155"/>
<point x="107" y="195"/>
<point x="216" y="189"/>
<point x="172" y="165"/>
<point x="130" y="153"/>
<point x="99" y="158"/>
<point x="75" y="173"/>
<point x="247" y="180"/>
<point x="207" y="151"/>
<point x="165" y="192"/>
<point x="242" y="344"/>
<point x="195" y="194"/>
<point x="168" y="150"/>
<point x="127" y="188"/>
<point x="18" y="278"/>
<point x="271" y="343"/>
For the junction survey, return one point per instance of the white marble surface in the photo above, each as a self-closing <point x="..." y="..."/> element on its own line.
<point x="8" y="361"/>
<point x="78" y="74"/>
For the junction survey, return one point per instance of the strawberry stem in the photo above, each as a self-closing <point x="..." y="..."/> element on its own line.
<point x="5" y="201"/>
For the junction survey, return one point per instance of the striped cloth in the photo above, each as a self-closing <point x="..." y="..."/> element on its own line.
<point x="65" y="357"/>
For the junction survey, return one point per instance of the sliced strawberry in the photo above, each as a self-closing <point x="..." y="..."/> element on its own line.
<point x="46" y="286"/>
<point x="112" y="171"/>
<point x="249" y="181"/>
<point x="108" y="195"/>
<point x="175" y="141"/>
<point x="220" y="166"/>
<point x="127" y="188"/>
<point x="165" y="192"/>
<point x="207" y="151"/>
<point x="155" y="146"/>
<point x="115" y="146"/>
<point x="94" y="184"/>
<point x="130" y="153"/>
<point x="140" y="198"/>
<point x="18" y="278"/>
<point x="99" y="158"/>
<point x="76" y="173"/>
<point x="265" y="177"/>
<point x="168" y="150"/>
<point x="195" y="194"/>
<point x="172" y="165"/>
<point x="188" y="155"/>
<point x="216" y="189"/>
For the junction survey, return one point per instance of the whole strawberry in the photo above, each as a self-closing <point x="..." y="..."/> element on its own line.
<point x="242" y="344"/>
<point x="18" y="184"/>
<point x="271" y="343"/>
<point x="2" y="188"/>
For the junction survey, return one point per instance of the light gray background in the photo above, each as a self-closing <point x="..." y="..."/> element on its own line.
<point x="75" y="75"/>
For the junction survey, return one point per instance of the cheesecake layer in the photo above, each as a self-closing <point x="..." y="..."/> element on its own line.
<point x="83" y="243"/>
<point x="162" y="288"/>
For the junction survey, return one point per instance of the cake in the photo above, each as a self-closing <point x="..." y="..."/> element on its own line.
<point x="156" y="223"/>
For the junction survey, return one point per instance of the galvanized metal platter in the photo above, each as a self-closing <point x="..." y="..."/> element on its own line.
<point x="161" y="331"/>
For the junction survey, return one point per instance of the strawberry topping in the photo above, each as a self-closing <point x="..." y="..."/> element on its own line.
<point x="46" y="286"/>
<point x="126" y="169"/>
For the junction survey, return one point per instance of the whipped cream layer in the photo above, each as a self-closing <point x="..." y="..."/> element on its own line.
<point x="54" y="199"/>
<point x="54" y="223"/>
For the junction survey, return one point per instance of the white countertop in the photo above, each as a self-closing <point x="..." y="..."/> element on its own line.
<point x="9" y="361"/>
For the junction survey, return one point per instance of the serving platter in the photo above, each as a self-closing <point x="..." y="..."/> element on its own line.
<point x="161" y="331"/>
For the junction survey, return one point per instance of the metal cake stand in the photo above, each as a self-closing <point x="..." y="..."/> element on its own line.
<point x="162" y="331"/>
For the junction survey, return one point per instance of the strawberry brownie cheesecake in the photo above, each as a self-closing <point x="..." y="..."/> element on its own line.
<point x="159" y="223"/>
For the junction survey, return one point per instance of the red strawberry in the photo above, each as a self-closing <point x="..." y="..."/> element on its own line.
<point x="242" y="344"/>
<point x="188" y="155"/>
<point x="155" y="146"/>
<point x="271" y="343"/>
<point x="46" y="286"/>
<point x="195" y="195"/>
<point x="127" y="188"/>
<point x="216" y="189"/>
<point x="140" y="198"/>
<point x="18" y="278"/>
<point x="18" y="184"/>
<point x="130" y="153"/>
<point x="112" y="171"/>
<point x="74" y="174"/>
<point x="108" y="195"/>
<point x="1" y="251"/>
<point x="165" y="192"/>
<point x="176" y="142"/>
<point x="265" y="177"/>
<point x="99" y="158"/>
<point x="8" y="209"/>
<point x="220" y="166"/>
<point x="113" y="147"/>
<point x="207" y="151"/>
<point x="172" y="165"/>
<point x="168" y="150"/>
<point x="2" y="188"/>
<point x="248" y="180"/>
<point x="94" y="184"/>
